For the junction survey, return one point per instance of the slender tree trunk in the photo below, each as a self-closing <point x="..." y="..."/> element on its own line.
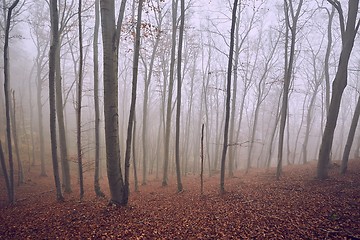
<point x="52" y="62"/>
<point x="79" y="100"/>
<point x="97" y="188"/>
<point x="170" y="94"/>
<point x="66" y="181"/>
<point x="133" y="100"/>
<point x="7" y="98"/>
<point x="327" y="58"/>
<point x="348" y="35"/>
<point x="202" y="160"/>
<point x="228" y="97"/>
<point x="178" y="103"/>
<point x="288" y="8"/>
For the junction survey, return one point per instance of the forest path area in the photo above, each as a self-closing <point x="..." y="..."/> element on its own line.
<point x="255" y="206"/>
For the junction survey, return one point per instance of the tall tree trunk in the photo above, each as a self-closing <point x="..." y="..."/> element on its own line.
<point x="133" y="100"/>
<point x="7" y="98"/>
<point x="170" y="94"/>
<point x="228" y="97"/>
<point x="97" y="188"/>
<point x="234" y="94"/>
<point x="111" y="38"/>
<point x="348" y="36"/>
<point x="289" y="10"/>
<point x="178" y="103"/>
<point x="52" y="62"/>
<point x="78" y="109"/>
<point x="66" y="181"/>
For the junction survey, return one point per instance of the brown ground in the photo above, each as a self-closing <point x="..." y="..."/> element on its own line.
<point x="256" y="206"/>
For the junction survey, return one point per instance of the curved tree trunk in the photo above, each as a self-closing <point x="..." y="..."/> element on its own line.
<point x="348" y="36"/>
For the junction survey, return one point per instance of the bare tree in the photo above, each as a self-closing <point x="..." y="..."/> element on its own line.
<point x="7" y="97"/>
<point x="348" y="33"/>
<point x="96" y="100"/>
<point x="41" y="42"/>
<point x="178" y="103"/>
<point x="111" y="38"/>
<point x="133" y="99"/>
<point x="291" y="18"/>
<point x="170" y="94"/>
<point x="79" y="100"/>
<point x="54" y="17"/>
<point x="228" y="97"/>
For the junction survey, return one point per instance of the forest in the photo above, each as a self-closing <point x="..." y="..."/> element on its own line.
<point x="182" y="119"/>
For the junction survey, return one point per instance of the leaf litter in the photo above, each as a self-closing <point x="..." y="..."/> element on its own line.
<point x="255" y="206"/>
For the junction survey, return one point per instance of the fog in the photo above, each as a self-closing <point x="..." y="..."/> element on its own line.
<point x="260" y="74"/>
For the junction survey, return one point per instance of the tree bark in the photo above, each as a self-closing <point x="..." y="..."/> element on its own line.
<point x="110" y="34"/>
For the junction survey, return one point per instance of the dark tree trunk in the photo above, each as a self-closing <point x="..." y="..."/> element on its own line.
<point x="7" y="99"/>
<point x="348" y="35"/>
<point x="52" y="61"/>
<point x="110" y="36"/>
<point x="228" y="97"/>
<point x="133" y="100"/>
<point x="178" y="103"/>
<point x="78" y="109"/>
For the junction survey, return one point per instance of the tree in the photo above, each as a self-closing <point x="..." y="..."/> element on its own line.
<point x="7" y="98"/>
<point x="97" y="188"/>
<point x="54" y="18"/>
<point x="291" y="19"/>
<point x="170" y="94"/>
<point x="178" y="103"/>
<point x="41" y="41"/>
<point x="78" y="109"/>
<point x="348" y="33"/>
<point x="228" y="97"/>
<point x="159" y="16"/>
<point x="111" y="38"/>
<point x="133" y="100"/>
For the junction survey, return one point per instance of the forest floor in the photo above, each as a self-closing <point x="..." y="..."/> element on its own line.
<point x="255" y="206"/>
